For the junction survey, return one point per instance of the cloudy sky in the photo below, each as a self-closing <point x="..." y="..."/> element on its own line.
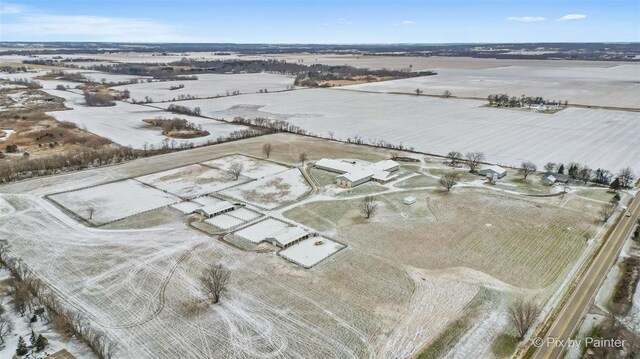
<point x="320" y="21"/>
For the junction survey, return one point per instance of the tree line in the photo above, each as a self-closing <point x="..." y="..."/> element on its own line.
<point x="504" y="100"/>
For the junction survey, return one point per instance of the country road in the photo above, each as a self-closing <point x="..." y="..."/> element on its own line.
<point x="583" y="295"/>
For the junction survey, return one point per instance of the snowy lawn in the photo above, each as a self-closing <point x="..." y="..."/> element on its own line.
<point x="191" y="181"/>
<point x="271" y="191"/>
<point x="113" y="201"/>
<point x="311" y="251"/>
<point x="253" y="167"/>
<point x="599" y="138"/>
<point x="256" y="233"/>
<point x="209" y="85"/>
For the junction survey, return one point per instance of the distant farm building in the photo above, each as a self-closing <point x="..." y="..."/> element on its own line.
<point x="550" y="178"/>
<point x="353" y="174"/>
<point x="409" y="200"/>
<point x="493" y="172"/>
<point x="288" y="236"/>
<point x="216" y="209"/>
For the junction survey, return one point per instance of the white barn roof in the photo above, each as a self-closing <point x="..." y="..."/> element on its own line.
<point x="216" y="208"/>
<point x="288" y="235"/>
<point x="338" y="166"/>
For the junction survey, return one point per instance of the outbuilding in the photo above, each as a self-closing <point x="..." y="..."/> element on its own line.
<point x="216" y="209"/>
<point x="548" y="179"/>
<point x="409" y="200"/>
<point x="288" y="236"/>
<point x="493" y="170"/>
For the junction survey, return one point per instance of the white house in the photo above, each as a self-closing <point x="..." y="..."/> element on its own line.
<point x="493" y="170"/>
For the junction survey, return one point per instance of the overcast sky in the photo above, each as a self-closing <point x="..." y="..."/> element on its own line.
<point x="320" y="21"/>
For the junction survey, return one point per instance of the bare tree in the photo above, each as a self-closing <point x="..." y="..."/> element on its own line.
<point x="585" y="174"/>
<point x="522" y="315"/>
<point x="266" y="149"/>
<point x="473" y="160"/>
<point x="6" y="327"/>
<point x="418" y="92"/>
<point x="626" y="177"/>
<point x="4" y="249"/>
<point x="214" y="282"/>
<point x="454" y="158"/>
<point x="369" y="206"/>
<point x="302" y="157"/>
<point x="236" y="169"/>
<point x="449" y="180"/>
<point x="607" y="210"/>
<point x="446" y="94"/>
<point x="91" y="211"/>
<point x="332" y="134"/>
<point x="527" y="168"/>
<point x="550" y="166"/>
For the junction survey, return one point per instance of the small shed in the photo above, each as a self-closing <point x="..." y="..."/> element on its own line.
<point x="409" y="200"/>
<point x="549" y="179"/>
<point x="491" y="170"/>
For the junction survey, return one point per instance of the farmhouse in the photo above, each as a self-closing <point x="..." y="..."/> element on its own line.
<point x="288" y="236"/>
<point x="215" y="209"/>
<point x="558" y="177"/>
<point x="353" y="174"/>
<point x="490" y="171"/>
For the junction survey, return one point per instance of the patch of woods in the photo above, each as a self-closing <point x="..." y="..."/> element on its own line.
<point x="184" y="110"/>
<point x="504" y="100"/>
<point x="609" y="331"/>
<point x="30" y="84"/>
<point x="270" y="125"/>
<point x="316" y="75"/>
<point x="34" y="298"/>
<point x="622" y="298"/>
<point x="13" y="69"/>
<point x="95" y="99"/>
<point x="178" y="128"/>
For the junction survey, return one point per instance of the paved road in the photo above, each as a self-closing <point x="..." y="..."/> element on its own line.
<point x="583" y="296"/>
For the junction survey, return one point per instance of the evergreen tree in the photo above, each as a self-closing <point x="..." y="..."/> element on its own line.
<point x="32" y="338"/>
<point x="41" y="343"/>
<point x="22" y="347"/>
<point x="615" y="185"/>
<point x="561" y="169"/>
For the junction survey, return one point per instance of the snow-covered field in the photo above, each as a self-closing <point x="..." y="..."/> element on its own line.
<point x="191" y="181"/>
<point x="186" y="207"/>
<point x="257" y="232"/>
<point x="113" y="201"/>
<point x="599" y="138"/>
<point x="252" y="167"/>
<point x="209" y="85"/>
<point x="96" y="76"/>
<point x="610" y="86"/>
<point x="244" y="214"/>
<point x="311" y="251"/>
<point x="271" y="191"/>
<point x="123" y="123"/>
